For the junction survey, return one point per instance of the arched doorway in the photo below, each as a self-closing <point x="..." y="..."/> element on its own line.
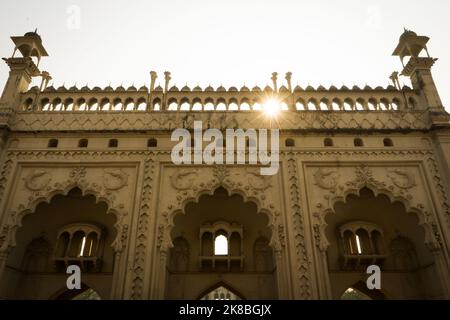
<point x="221" y="239"/>
<point x="72" y="229"/>
<point x="221" y="291"/>
<point x="359" y="291"/>
<point x="369" y="229"/>
<point x="84" y="293"/>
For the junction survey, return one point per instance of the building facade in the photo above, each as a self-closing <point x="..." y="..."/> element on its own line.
<point x="87" y="179"/>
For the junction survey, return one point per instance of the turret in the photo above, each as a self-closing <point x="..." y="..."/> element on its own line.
<point x="418" y="68"/>
<point x="22" y="68"/>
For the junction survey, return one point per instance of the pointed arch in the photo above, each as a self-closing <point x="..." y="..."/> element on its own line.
<point x="47" y="197"/>
<point x="359" y="289"/>
<point x="378" y="189"/>
<point x="166" y="241"/>
<point x="218" y="285"/>
<point x="66" y="294"/>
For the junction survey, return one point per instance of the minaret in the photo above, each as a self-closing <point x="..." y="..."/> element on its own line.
<point x="418" y="68"/>
<point x="23" y="68"/>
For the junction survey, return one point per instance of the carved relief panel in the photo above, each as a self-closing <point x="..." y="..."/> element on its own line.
<point x="328" y="184"/>
<point x="184" y="184"/>
<point x="36" y="183"/>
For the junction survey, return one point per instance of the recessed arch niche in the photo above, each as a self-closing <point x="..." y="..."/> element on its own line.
<point x="33" y="261"/>
<point x="248" y="267"/>
<point x="408" y="269"/>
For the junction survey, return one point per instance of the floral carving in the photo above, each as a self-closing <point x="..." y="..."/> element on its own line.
<point x="77" y="173"/>
<point x="364" y="177"/>
<point x="221" y="173"/>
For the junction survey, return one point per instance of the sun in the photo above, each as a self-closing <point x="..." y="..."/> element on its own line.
<point x="271" y="107"/>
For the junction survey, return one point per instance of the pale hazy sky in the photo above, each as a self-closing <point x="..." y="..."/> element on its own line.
<point x="228" y="42"/>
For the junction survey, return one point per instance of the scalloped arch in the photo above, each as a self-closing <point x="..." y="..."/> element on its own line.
<point x="419" y="212"/>
<point x="30" y="208"/>
<point x="270" y="212"/>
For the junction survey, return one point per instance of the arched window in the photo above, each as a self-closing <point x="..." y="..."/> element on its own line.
<point x="328" y="142"/>
<point x="83" y="143"/>
<point x="221" y="245"/>
<point x="290" y="143"/>
<point x="388" y="142"/>
<point x="52" y="143"/>
<point x="362" y="244"/>
<point x="152" y="143"/>
<point x="78" y="243"/>
<point x="113" y="143"/>
<point x="299" y="106"/>
<point x="28" y="104"/>
<point x="220" y="293"/>
<point x="358" y="142"/>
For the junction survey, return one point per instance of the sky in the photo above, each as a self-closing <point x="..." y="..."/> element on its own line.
<point x="229" y="43"/>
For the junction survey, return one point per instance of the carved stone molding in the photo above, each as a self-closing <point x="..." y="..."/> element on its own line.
<point x="440" y="188"/>
<point x="142" y="230"/>
<point x="34" y="121"/>
<point x="322" y="155"/>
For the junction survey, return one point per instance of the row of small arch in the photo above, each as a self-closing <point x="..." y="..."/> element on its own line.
<point x="153" y="143"/>
<point x="185" y="104"/>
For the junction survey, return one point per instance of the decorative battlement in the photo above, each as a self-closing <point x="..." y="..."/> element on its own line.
<point x="219" y="99"/>
<point x="152" y="108"/>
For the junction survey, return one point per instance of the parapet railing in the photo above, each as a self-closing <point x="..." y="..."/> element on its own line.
<point x="209" y="99"/>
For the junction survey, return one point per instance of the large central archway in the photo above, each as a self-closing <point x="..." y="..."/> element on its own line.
<point x="221" y="239"/>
